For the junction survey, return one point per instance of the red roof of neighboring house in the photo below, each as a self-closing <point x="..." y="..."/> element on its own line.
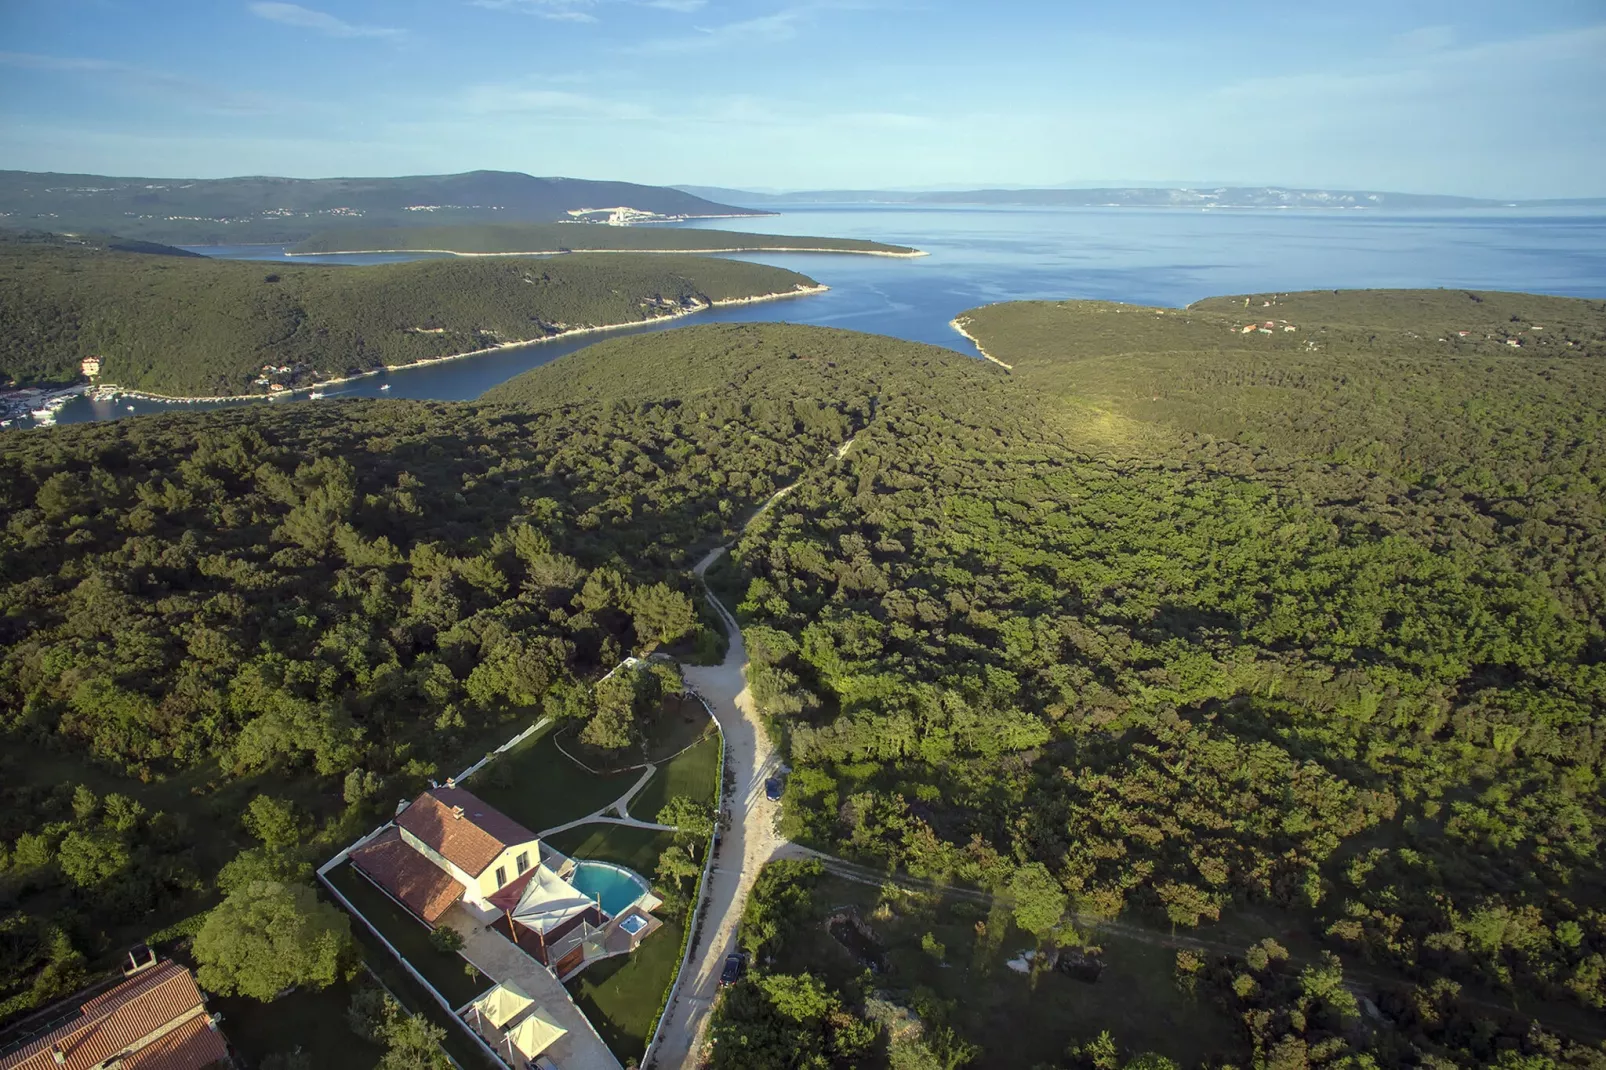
<point x="193" y="1044"/>
<point x="119" y="1019"/>
<point x="424" y="887"/>
<point x="471" y="839"/>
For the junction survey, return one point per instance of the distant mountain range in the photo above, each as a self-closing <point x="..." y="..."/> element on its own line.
<point x="1134" y="197"/>
<point x="282" y="210"/>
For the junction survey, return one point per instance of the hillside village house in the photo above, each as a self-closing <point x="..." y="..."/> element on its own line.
<point x="90" y="366"/>
<point x="156" y="1019"/>
<point x="449" y="848"/>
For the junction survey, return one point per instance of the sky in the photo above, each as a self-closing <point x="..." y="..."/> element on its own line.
<point x="1475" y="98"/>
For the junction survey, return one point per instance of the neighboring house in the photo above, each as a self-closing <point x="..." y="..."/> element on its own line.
<point x="90" y="366"/>
<point x="154" y="1020"/>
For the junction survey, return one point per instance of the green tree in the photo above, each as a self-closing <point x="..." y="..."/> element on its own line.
<point x="261" y="864"/>
<point x="92" y="857"/>
<point x="1039" y="900"/>
<point x="269" y="936"/>
<point x="676" y="866"/>
<point x="661" y="614"/>
<point x="693" y="820"/>
<point x="274" y="821"/>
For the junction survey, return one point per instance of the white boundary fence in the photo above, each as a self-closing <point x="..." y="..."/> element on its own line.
<point x="695" y="918"/>
<point x="445" y="1005"/>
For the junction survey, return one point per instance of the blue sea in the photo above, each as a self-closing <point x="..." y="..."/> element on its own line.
<point x="1167" y="257"/>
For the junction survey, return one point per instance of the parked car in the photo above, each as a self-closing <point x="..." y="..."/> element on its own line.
<point x="773" y="788"/>
<point x="735" y="963"/>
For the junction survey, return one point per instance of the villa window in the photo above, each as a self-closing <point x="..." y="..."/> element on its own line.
<point x="501" y="876"/>
<point x="523" y="862"/>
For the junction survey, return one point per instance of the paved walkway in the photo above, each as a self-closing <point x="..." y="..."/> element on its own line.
<point x="495" y="956"/>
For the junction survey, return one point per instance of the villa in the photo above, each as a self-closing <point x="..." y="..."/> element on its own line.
<point x="449" y="848"/>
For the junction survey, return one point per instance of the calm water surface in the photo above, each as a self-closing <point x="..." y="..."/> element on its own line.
<point x="982" y="255"/>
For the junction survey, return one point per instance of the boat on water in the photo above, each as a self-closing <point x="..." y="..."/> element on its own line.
<point x="384" y="386"/>
<point x="315" y="395"/>
<point x="130" y="408"/>
<point x="44" y="416"/>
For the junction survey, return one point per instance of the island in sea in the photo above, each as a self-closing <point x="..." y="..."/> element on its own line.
<point x="163" y="323"/>
<point x="542" y="239"/>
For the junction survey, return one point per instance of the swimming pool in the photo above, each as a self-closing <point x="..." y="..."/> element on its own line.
<point x="616" y="887"/>
<point x="633" y="924"/>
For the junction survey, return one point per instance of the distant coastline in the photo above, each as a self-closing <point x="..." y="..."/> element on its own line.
<point x="677" y="252"/>
<point x="279" y="395"/>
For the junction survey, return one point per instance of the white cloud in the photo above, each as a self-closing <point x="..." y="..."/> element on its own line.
<point x="198" y="96"/>
<point x="556" y="10"/>
<point x="683" y="6"/>
<point x="321" y="21"/>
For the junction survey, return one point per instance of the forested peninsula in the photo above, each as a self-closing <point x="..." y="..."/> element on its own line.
<point x="502" y="239"/>
<point x="185" y="326"/>
<point x="1244" y="663"/>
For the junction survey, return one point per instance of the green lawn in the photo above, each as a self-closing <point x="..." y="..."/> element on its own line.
<point x="634" y="848"/>
<point x="679" y="721"/>
<point x="536" y="785"/>
<point x="1015" y="1022"/>
<point x="313" y="1021"/>
<point x="408" y="935"/>
<point x="694" y="773"/>
<point x="621" y="995"/>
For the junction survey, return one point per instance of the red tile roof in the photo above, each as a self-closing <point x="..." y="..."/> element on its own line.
<point x="424" y="887"/>
<point x="189" y="1047"/>
<point x="116" y="1020"/>
<point x="471" y="841"/>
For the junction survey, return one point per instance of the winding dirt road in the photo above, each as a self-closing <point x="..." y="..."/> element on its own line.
<point x="745" y="847"/>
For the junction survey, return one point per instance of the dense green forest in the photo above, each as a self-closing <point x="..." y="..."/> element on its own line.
<point x="1291" y="636"/>
<point x="196" y="327"/>
<point x="568" y="237"/>
<point x="325" y="605"/>
<point x="1307" y="621"/>
<point x="228" y="211"/>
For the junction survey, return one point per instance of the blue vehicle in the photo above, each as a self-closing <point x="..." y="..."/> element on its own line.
<point x="773" y="788"/>
<point x="735" y="962"/>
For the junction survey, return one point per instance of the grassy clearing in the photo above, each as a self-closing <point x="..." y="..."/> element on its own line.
<point x="621" y="995"/>
<point x="694" y="773"/>
<point x="538" y="786"/>
<point x="1018" y="1020"/>
<point x="634" y="848"/>
<point x="315" y="1022"/>
<point x="679" y="722"/>
<point x="408" y="935"/>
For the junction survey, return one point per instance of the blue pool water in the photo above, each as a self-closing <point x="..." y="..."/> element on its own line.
<point x="617" y="888"/>
<point x="633" y="924"/>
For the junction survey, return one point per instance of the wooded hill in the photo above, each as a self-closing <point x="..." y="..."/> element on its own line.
<point x="196" y="327"/>
<point x="225" y="211"/>
<point x="575" y="237"/>
<point x="1294" y="635"/>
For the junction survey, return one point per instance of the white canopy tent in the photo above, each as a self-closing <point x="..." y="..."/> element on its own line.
<point x="549" y="901"/>
<point x="534" y="1034"/>
<point x="502" y="1004"/>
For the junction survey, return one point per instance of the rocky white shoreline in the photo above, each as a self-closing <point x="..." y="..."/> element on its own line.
<point x="959" y="323"/>
<point x="689" y="310"/>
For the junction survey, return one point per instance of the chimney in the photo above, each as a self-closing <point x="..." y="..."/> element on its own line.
<point x="451" y="782"/>
<point x="59" y="1055"/>
<point x="457" y="812"/>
